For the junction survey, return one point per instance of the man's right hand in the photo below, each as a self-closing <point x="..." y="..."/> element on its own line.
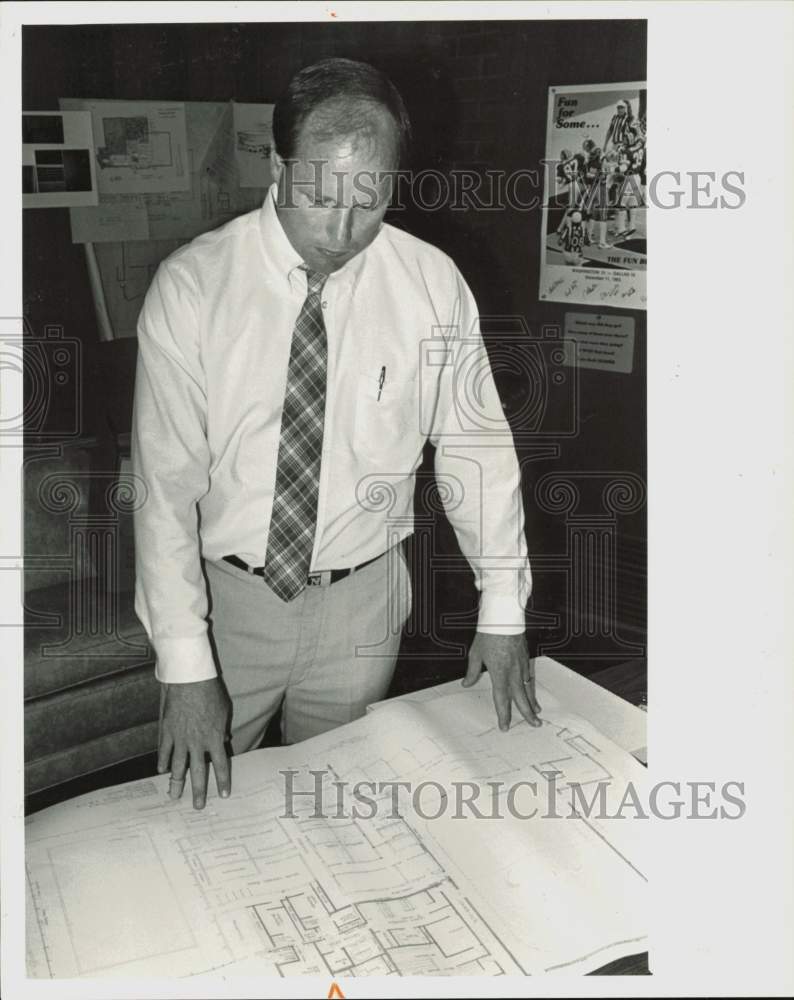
<point x="193" y="723"/>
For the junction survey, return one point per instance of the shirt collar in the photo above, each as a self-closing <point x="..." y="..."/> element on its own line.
<point x="284" y="260"/>
<point x="280" y="255"/>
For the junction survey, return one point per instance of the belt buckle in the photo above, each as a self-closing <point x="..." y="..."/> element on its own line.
<point x="319" y="579"/>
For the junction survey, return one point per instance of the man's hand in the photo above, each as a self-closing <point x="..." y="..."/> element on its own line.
<point x="193" y="724"/>
<point x="512" y="675"/>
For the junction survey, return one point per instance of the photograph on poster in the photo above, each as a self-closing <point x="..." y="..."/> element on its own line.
<point x="58" y="168"/>
<point x="594" y="231"/>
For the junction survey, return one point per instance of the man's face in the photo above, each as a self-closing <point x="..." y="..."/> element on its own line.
<point x="331" y="200"/>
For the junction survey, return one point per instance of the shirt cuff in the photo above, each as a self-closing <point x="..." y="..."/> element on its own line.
<point x="500" y="614"/>
<point x="184" y="660"/>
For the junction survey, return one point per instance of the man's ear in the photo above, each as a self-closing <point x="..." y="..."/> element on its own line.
<point x="276" y="165"/>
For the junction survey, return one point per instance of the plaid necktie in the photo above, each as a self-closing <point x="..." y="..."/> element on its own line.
<point x="294" y="518"/>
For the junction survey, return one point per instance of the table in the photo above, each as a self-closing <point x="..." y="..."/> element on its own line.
<point x="628" y="681"/>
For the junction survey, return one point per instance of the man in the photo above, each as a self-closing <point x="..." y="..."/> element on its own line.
<point x="620" y="123"/>
<point x="291" y="366"/>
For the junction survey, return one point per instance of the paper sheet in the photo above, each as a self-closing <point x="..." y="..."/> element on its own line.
<point x="214" y="195"/>
<point x="561" y="689"/>
<point x="119" y="218"/>
<point x="624" y="723"/>
<point x="133" y="233"/>
<point x="253" y="139"/>
<point x="221" y="179"/>
<point x="58" y="166"/>
<point x="125" y="882"/>
<point x="127" y="269"/>
<point x="140" y="146"/>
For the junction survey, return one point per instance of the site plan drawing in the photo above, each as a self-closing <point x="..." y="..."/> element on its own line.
<point x="145" y="212"/>
<point x="299" y="874"/>
<point x="140" y="146"/>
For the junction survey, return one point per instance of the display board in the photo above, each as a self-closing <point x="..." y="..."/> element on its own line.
<point x="166" y="172"/>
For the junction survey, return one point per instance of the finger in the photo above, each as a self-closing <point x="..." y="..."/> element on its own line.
<point x="529" y="687"/>
<point x="520" y="694"/>
<point x="164" y="751"/>
<point x="474" y="669"/>
<point x="501" y="700"/>
<point x="178" y="768"/>
<point x="198" y="777"/>
<point x="223" y="770"/>
<point x="532" y="698"/>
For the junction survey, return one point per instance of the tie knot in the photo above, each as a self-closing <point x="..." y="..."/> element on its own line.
<point x="315" y="281"/>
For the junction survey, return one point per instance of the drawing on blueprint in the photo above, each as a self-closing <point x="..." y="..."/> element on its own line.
<point x="250" y="885"/>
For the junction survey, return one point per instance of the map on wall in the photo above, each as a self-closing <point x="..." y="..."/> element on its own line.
<point x="167" y="173"/>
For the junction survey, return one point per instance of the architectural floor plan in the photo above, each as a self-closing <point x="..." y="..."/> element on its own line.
<point x="417" y="841"/>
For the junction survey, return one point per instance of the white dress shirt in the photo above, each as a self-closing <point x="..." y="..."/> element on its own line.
<point x="406" y="362"/>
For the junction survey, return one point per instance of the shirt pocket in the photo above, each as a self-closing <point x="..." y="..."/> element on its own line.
<point x="387" y="423"/>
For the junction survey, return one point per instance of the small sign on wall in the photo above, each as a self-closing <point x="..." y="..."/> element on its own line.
<point x="602" y="340"/>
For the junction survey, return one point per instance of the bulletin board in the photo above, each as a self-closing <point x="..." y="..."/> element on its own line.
<point x="166" y="172"/>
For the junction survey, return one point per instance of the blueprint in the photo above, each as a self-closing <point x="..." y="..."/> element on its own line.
<point x="127" y="270"/>
<point x="118" y="217"/>
<point x="216" y="194"/>
<point x="253" y="131"/>
<point x="139" y="146"/>
<point x="561" y="689"/>
<point x="224" y="173"/>
<point x="124" y="882"/>
<point x="58" y="168"/>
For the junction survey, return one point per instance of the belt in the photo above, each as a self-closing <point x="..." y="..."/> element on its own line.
<point x="323" y="579"/>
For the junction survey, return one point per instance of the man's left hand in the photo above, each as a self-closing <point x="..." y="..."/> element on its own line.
<point x="512" y="675"/>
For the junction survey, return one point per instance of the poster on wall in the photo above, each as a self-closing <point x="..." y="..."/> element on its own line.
<point x="253" y="141"/>
<point x="593" y="234"/>
<point x="57" y="160"/>
<point x="139" y="146"/>
<point x="227" y="159"/>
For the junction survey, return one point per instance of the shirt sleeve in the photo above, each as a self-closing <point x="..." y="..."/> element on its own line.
<point x="170" y="455"/>
<point x="478" y="470"/>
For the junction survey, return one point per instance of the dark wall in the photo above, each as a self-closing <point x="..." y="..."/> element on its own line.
<point x="477" y="93"/>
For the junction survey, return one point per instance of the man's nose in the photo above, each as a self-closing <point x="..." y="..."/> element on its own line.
<point x="340" y="229"/>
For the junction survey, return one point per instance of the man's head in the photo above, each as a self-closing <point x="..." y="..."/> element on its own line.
<point x="340" y="131"/>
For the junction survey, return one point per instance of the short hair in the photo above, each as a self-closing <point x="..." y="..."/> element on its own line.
<point x="350" y="89"/>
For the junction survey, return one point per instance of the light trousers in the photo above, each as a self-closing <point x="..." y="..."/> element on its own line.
<point x="323" y="657"/>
